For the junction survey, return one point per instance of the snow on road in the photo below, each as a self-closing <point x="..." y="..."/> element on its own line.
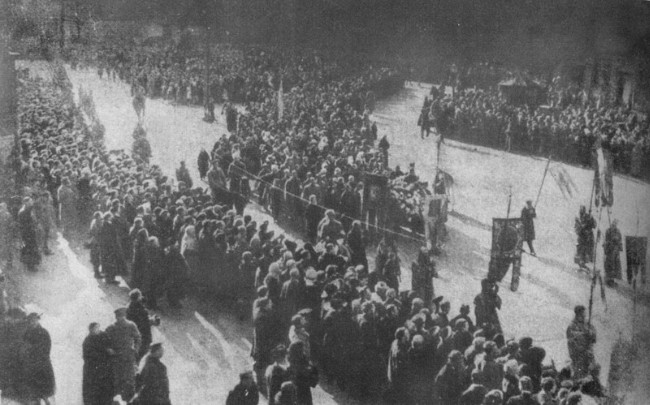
<point x="207" y="348"/>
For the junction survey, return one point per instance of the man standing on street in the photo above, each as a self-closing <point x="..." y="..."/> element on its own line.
<point x="528" y="214"/>
<point x="97" y="386"/>
<point x="613" y="246"/>
<point x="152" y="381"/>
<point x="125" y="340"/>
<point x="581" y="337"/>
<point x="38" y="374"/>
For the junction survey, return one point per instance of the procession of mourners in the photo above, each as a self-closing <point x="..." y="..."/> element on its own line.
<point x="322" y="311"/>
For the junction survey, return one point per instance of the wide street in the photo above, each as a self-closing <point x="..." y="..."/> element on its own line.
<point x="207" y="345"/>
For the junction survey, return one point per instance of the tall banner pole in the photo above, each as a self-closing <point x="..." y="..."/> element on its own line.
<point x="594" y="276"/>
<point x="548" y="163"/>
<point x="509" y="202"/>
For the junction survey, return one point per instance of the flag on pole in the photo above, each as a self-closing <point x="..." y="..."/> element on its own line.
<point x="280" y="102"/>
<point x="564" y="181"/>
<point x="604" y="178"/>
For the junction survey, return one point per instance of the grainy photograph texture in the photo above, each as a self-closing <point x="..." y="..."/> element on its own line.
<point x="297" y="202"/>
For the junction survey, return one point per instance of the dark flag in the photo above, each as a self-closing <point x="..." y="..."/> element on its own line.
<point x="507" y="241"/>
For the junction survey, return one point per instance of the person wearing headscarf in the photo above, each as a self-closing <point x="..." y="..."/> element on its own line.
<point x="138" y="314"/>
<point x="190" y="249"/>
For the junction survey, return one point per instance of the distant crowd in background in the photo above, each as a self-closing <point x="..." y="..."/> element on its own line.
<point x="565" y="126"/>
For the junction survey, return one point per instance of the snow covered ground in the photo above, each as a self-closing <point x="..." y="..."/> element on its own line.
<point x="206" y="348"/>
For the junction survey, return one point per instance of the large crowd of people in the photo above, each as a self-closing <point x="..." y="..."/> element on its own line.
<point x="320" y="310"/>
<point x="565" y="128"/>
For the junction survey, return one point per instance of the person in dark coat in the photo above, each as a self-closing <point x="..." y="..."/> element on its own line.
<point x="423" y="272"/>
<point x="486" y="305"/>
<point x="264" y="323"/>
<point x="182" y="174"/>
<point x="526" y="397"/>
<point x="125" y="341"/>
<point x="244" y="393"/>
<point x="276" y="373"/>
<point x="176" y="275"/>
<point x="97" y="385"/>
<point x="111" y="249"/>
<point x="138" y="314"/>
<point x="532" y="357"/>
<point x="357" y="244"/>
<point x="581" y="337"/>
<point x="584" y="227"/>
<point x="203" y="163"/>
<point x="475" y="393"/>
<point x="302" y="373"/>
<point x="450" y="381"/>
<point x="152" y="383"/>
<point x="37" y="372"/>
<point x="313" y="215"/>
<point x="528" y="214"/>
<point x="398" y="373"/>
<point x="29" y="254"/>
<point x="613" y="246"/>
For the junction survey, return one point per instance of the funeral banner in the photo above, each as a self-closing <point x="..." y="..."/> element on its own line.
<point x="507" y="238"/>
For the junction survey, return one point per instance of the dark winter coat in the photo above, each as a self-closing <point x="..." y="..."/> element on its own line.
<point x="37" y="371"/>
<point x="240" y="395"/>
<point x="97" y="386"/>
<point x="138" y="314"/>
<point x="152" y="383"/>
<point x="527" y="216"/>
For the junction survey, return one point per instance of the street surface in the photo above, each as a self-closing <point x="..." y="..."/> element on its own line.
<point x="207" y="346"/>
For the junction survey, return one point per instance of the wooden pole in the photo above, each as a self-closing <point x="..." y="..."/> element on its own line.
<point x="543" y="178"/>
<point x="591" y="196"/>
<point x="509" y="202"/>
<point x="594" y="276"/>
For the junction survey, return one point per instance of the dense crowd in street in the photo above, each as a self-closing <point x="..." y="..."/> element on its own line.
<point x="320" y="311"/>
<point x="565" y="128"/>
